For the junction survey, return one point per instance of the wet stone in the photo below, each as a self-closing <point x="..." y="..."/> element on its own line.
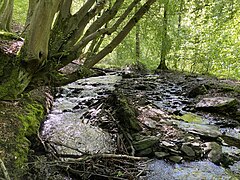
<point x="168" y="144"/>
<point x="199" y="129"/>
<point x="215" y="151"/>
<point x="145" y="143"/>
<point x="176" y="159"/>
<point x="145" y="152"/>
<point x="187" y="150"/>
<point x="161" y="155"/>
<point x="198" y="90"/>
<point x="219" y="104"/>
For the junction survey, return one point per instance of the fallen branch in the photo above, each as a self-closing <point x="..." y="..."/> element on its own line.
<point x="67" y="146"/>
<point x="117" y="156"/>
<point x="4" y="170"/>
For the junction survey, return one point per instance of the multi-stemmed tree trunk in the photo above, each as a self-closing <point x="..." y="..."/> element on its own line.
<point x="55" y="38"/>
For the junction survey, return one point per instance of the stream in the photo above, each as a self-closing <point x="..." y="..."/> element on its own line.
<point x="71" y="127"/>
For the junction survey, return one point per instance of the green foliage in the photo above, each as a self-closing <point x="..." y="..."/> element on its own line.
<point x="20" y="11"/>
<point x="203" y="36"/>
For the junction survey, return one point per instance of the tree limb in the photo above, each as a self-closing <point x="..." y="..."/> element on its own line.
<point x="118" y="39"/>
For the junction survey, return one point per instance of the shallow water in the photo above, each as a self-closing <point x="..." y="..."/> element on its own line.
<point x="70" y="132"/>
<point x="66" y="127"/>
<point x="161" y="170"/>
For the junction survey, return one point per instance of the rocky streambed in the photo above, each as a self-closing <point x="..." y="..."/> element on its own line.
<point x="186" y="125"/>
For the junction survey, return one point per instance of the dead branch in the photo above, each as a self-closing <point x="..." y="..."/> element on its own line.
<point x="107" y="156"/>
<point x="4" y="170"/>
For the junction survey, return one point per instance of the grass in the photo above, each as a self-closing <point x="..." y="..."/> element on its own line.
<point x="20" y="11"/>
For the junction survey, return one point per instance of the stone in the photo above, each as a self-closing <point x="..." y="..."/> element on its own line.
<point x="145" y="143"/>
<point x="145" y="152"/>
<point x="187" y="150"/>
<point x="176" y="159"/>
<point x="191" y="118"/>
<point x="161" y="155"/>
<point x="215" y="151"/>
<point x="168" y="144"/>
<point x="218" y="104"/>
<point x="198" y="90"/>
<point x="200" y="129"/>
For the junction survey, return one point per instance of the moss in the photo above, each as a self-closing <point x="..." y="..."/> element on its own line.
<point x="191" y="118"/>
<point x="126" y="113"/>
<point x="14" y="85"/>
<point x="229" y="88"/>
<point x="30" y="125"/>
<point x="8" y="35"/>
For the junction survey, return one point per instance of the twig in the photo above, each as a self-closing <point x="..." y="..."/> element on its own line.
<point x="43" y="143"/>
<point x="67" y="146"/>
<point x="4" y="169"/>
<point x="120" y="156"/>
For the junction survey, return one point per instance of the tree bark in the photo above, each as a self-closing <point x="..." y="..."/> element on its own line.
<point x="55" y="37"/>
<point x="6" y="11"/>
<point x="35" y="50"/>
<point x="165" y="44"/>
<point x="137" y="42"/>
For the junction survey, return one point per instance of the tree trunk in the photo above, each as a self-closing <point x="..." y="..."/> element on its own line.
<point x="179" y="40"/>
<point x="121" y="35"/>
<point x="6" y="11"/>
<point x="35" y="50"/>
<point x="55" y="37"/>
<point x="165" y="39"/>
<point x="137" y="45"/>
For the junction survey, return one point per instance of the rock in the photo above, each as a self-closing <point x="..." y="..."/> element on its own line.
<point x="168" y="144"/>
<point x="127" y="75"/>
<point x="187" y="150"/>
<point x="145" y="143"/>
<point x="198" y="90"/>
<point x="145" y="152"/>
<point x="200" y="79"/>
<point x="195" y="144"/>
<point x="175" y="159"/>
<point x="188" y="137"/>
<point x="191" y="118"/>
<point x="149" y="123"/>
<point x="199" y="129"/>
<point x="126" y="112"/>
<point x="142" y="87"/>
<point x="215" y="151"/>
<point x="161" y="155"/>
<point x="218" y="104"/>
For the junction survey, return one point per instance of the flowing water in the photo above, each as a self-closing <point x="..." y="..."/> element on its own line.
<point x="69" y="125"/>
<point x="66" y="126"/>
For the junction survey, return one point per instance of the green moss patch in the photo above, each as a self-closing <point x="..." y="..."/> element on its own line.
<point x="19" y="120"/>
<point x="30" y="125"/>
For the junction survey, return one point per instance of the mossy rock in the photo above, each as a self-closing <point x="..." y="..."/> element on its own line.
<point x="223" y="105"/>
<point x="125" y="112"/>
<point x="18" y="121"/>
